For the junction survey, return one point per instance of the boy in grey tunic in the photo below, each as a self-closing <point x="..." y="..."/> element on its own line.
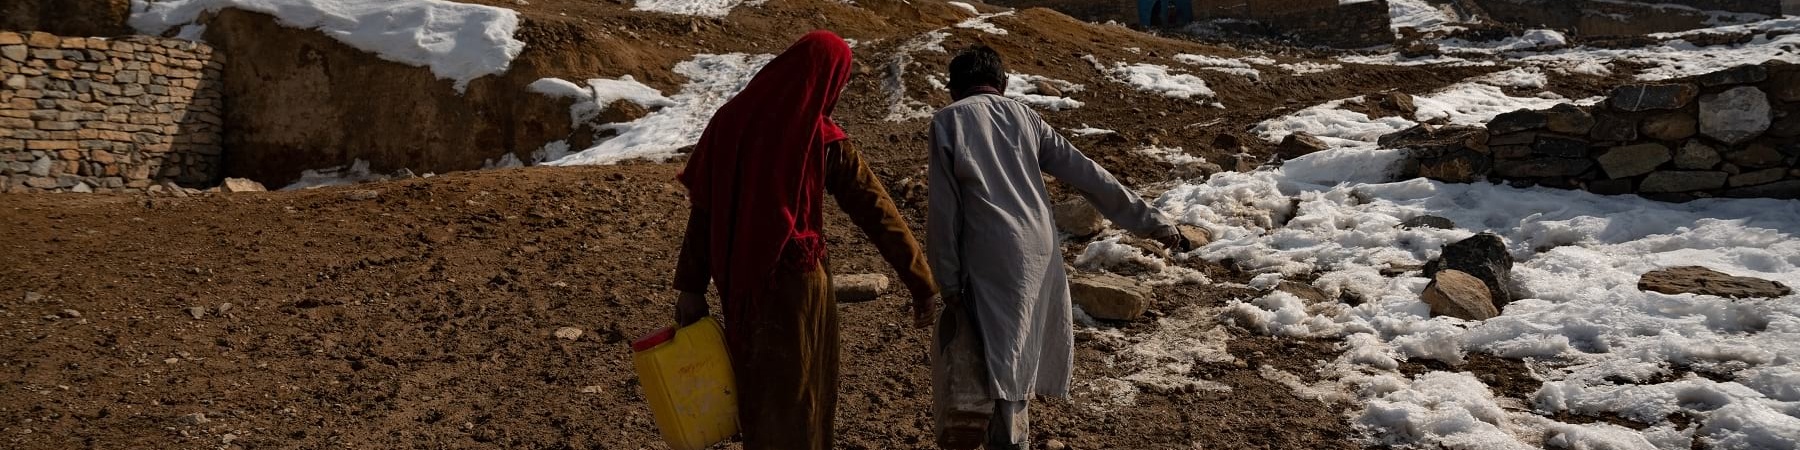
<point x="991" y="241"/>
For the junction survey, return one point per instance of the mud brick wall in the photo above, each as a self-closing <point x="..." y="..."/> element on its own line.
<point x="1732" y="133"/>
<point x="1354" y="25"/>
<point x="92" y="114"/>
<point x="1313" y="21"/>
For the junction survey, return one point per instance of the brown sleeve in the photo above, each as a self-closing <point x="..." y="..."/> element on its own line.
<point x="860" y="194"/>
<point x="692" y="271"/>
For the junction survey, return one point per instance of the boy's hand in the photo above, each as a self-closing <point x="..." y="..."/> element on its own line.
<point x="689" y="308"/>
<point x="1176" y="242"/>
<point x="925" y="311"/>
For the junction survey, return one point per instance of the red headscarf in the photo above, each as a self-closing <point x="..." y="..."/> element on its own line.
<point x="759" y="170"/>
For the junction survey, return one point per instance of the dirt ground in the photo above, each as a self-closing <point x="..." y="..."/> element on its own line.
<point x="420" y="313"/>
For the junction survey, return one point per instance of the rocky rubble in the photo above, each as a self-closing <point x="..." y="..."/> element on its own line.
<point x="1109" y="297"/>
<point x="1483" y="257"/>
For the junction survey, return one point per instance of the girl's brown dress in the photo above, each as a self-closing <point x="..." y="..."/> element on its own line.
<point x="787" y="362"/>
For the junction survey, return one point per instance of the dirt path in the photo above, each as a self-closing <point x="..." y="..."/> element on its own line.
<point x="420" y="313"/>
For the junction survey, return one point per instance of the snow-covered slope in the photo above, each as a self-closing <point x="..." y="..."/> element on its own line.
<point x="458" y="41"/>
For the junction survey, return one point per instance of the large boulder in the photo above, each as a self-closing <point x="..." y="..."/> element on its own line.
<point x="1646" y="97"/>
<point x="1483" y="256"/>
<point x="1735" y="115"/>
<point x="1683" y="181"/>
<point x="1460" y="295"/>
<point x="859" y="287"/>
<point x="1399" y="102"/>
<point x="1633" y="160"/>
<point x="1704" y="281"/>
<point x="1110" y="297"/>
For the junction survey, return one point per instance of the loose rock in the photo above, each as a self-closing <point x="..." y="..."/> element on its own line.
<point x="70" y="314"/>
<point x="568" y="333"/>
<point x="195" y="419"/>
<point x="1428" y="221"/>
<point x="1110" y="297"/>
<point x="1460" y="295"/>
<point x="859" y="287"/>
<point x="1704" y="281"/>
<point x="198" y="312"/>
<point x="1483" y="256"/>
<point x="1300" y="144"/>
<point x="1078" y="218"/>
<point x="1305" y="291"/>
<point x="241" y="185"/>
<point x="1195" y="235"/>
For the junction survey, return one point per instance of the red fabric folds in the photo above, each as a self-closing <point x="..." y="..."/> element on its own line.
<point x="759" y="171"/>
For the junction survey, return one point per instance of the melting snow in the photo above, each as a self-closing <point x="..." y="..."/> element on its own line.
<point x="1024" y="88"/>
<point x="1156" y="79"/>
<point x="1598" y="340"/>
<point x="705" y="8"/>
<point x="712" y="80"/>
<point x="1218" y="64"/>
<point x="458" y="41"/>
<point x="598" y="94"/>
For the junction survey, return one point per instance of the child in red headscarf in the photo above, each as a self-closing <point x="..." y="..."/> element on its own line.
<point x="757" y="181"/>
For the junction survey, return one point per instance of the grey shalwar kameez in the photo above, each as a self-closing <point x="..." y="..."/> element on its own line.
<point x="992" y="239"/>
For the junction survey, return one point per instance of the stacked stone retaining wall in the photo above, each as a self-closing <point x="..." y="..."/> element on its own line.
<point x="93" y="114"/>
<point x="1733" y="133"/>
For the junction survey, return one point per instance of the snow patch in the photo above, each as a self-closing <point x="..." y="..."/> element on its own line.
<point x="703" y="8"/>
<point x="1024" y="88"/>
<point x="1156" y="79"/>
<point x="712" y="81"/>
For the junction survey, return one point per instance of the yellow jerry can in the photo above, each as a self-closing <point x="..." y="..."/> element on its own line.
<point x="686" y="374"/>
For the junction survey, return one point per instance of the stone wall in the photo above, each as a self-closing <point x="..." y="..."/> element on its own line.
<point x="1620" y="18"/>
<point x="95" y="114"/>
<point x="1733" y="133"/>
<point x="1311" y="21"/>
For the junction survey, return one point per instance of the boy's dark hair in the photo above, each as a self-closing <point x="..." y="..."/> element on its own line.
<point x="977" y="66"/>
